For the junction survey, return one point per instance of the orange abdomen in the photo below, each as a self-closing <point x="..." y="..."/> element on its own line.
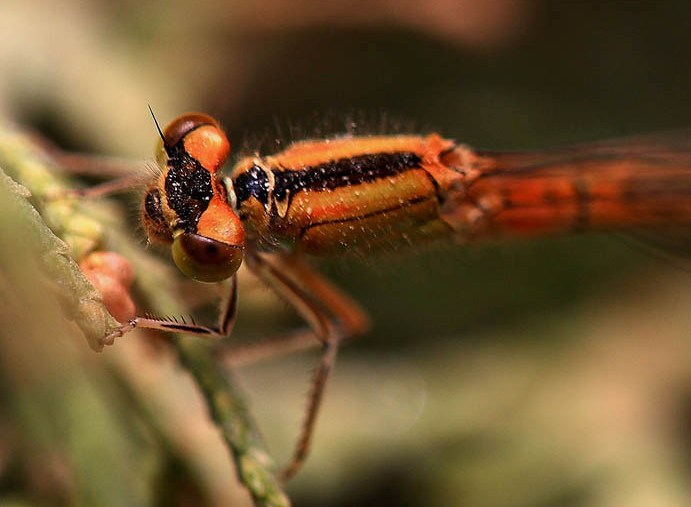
<point x="636" y="183"/>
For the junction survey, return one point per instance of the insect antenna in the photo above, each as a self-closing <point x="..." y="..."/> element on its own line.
<point x="158" y="128"/>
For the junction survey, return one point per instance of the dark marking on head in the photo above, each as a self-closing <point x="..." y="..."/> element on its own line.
<point x="188" y="187"/>
<point x="153" y="219"/>
<point x="153" y="209"/>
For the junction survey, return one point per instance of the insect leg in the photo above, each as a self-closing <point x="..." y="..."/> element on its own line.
<point x="332" y="316"/>
<point x="121" y="184"/>
<point x="224" y="328"/>
<point x="123" y="174"/>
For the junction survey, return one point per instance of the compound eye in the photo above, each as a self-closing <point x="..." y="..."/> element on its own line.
<point x="205" y="259"/>
<point x="199" y="136"/>
<point x="153" y="219"/>
<point x="183" y="125"/>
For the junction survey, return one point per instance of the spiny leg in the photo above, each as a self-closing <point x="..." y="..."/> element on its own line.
<point x="332" y="316"/>
<point x="225" y="326"/>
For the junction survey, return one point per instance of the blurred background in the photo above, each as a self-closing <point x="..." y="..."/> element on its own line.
<point x="544" y="373"/>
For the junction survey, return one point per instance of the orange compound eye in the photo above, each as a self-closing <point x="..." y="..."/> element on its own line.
<point x="202" y="138"/>
<point x="184" y="124"/>
<point x="205" y="259"/>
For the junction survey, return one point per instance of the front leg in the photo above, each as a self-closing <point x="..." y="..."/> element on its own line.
<point x="226" y="321"/>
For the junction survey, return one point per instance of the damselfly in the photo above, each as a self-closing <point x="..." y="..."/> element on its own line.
<point x="357" y="195"/>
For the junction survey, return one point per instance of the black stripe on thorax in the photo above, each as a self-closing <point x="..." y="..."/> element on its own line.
<point x="344" y="172"/>
<point x="252" y="183"/>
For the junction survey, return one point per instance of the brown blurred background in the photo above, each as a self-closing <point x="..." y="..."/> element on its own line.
<point x="528" y="374"/>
